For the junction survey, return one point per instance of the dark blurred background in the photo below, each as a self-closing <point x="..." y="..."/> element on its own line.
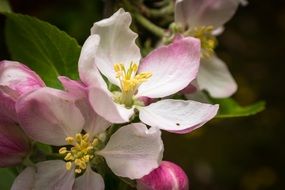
<point x="230" y="154"/>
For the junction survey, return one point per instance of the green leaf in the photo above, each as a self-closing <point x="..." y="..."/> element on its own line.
<point x="43" y="47"/>
<point x="230" y="108"/>
<point x="7" y="177"/>
<point x="5" y="6"/>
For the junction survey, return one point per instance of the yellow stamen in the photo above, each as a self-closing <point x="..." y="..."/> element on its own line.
<point x="208" y="40"/>
<point x="81" y="153"/>
<point x="62" y="150"/>
<point x="68" y="165"/>
<point x="78" y="171"/>
<point x="69" y="140"/>
<point x="128" y="79"/>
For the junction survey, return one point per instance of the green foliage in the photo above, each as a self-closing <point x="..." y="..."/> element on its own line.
<point x="7" y="177"/>
<point x="43" y="47"/>
<point x="5" y="6"/>
<point x="230" y="108"/>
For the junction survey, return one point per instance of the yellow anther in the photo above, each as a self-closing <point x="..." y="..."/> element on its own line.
<point x="207" y="39"/>
<point x="77" y="161"/>
<point x="78" y="171"/>
<point x="81" y="152"/>
<point x="69" y="157"/>
<point x="117" y="67"/>
<point x="82" y="164"/>
<point x="86" y="158"/>
<point x="68" y="165"/>
<point x="134" y="68"/>
<point x="62" y="150"/>
<point x="86" y="137"/>
<point x="69" y="140"/>
<point x="95" y="142"/>
<point x="128" y="79"/>
<point x="78" y="137"/>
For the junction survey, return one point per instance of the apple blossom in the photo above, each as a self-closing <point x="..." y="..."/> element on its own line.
<point x="168" y="176"/>
<point x="204" y="20"/>
<point x="111" y="50"/>
<point x="56" y="118"/>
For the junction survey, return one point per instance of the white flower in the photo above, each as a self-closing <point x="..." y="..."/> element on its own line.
<point x="111" y="51"/>
<point x="204" y="19"/>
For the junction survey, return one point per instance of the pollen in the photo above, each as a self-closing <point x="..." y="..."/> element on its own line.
<point x="81" y="152"/>
<point x="208" y="40"/>
<point x="129" y="79"/>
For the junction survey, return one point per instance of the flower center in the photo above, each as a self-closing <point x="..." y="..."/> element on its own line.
<point x="129" y="82"/>
<point x="208" y="40"/>
<point x="81" y="152"/>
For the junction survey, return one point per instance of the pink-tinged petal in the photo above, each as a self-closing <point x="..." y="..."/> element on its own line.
<point x="25" y="180"/>
<point x="134" y="150"/>
<point x="49" y="116"/>
<point x="76" y="88"/>
<point x="177" y="116"/>
<point x="89" y="74"/>
<point x="103" y="104"/>
<point x="173" y="67"/>
<point x="14" y="144"/>
<point x="146" y="100"/>
<point x="15" y="79"/>
<point x="52" y="175"/>
<point x="94" y="124"/>
<point x="167" y="176"/>
<point x="89" y="180"/>
<point x="117" y="44"/>
<point x="7" y="105"/>
<point x="195" y="13"/>
<point x="18" y="77"/>
<point x="215" y="77"/>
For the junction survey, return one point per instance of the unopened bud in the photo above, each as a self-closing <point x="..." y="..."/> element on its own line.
<point x="168" y="176"/>
<point x="16" y="79"/>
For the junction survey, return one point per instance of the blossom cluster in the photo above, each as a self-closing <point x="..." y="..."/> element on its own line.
<point x="114" y="114"/>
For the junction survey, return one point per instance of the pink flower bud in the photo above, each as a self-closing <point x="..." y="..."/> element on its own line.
<point x="14" y="144"/>
<point x="168" y="176"/>
<point x="16" y="79"/>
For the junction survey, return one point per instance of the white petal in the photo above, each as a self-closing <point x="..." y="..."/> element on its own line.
<point x="133" y="151"/>
<point x="173" y="67"/>
<point x="117" y="44"/>
<point x="49" y="116"/>
<point x="52" y="175"/>
<point x="205" y="12"/>
<point x="88" y="71"/>
<point x="103" y="104"/>
<point x="25" y="180"/>
<point x="177" y="116"/>
<point x="215" y="77"/>
<point x="89" y="180"/>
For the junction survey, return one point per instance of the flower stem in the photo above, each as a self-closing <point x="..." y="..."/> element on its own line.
<point x="149" y="25"/>
<point x="142" y="20"/>
<point x="155" y="13"/>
